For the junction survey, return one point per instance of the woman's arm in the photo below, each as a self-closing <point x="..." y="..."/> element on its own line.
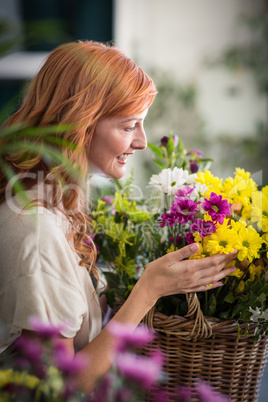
<point x="167" y="275"/>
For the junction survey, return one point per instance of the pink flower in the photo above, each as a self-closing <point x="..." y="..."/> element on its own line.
<point x="129" y="335"/>
<point x="184" y="191"/>
<point x="216" y="207"/>
<point x="107" y="199"/>
<point x="145" y="371"/>
<point x="182" y="211"/>
<point x="209" y="394"/>
<point x="196" y="153"/>
<point x="189" y="237"/>
<point x="204" y="228"/>
<point x="66" y="362"/>
<point x="45" y="330"/>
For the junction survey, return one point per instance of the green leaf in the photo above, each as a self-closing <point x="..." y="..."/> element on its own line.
<point x="229" y="298"/>
<point x="170" y="146"/>
<point x="262" y="298"/>
<point x="212" y="304"/>
<point x="156" y="150"/>
<point x="160" y="164"/>
<point x="113" y="280"/>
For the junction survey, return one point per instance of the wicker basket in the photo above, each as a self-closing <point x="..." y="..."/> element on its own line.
<point x="198" y="347"/>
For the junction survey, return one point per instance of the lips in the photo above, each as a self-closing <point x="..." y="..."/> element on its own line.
<point x="123" y="157"/>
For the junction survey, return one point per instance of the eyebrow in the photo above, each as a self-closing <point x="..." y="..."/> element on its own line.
<point x="132" y="118"/>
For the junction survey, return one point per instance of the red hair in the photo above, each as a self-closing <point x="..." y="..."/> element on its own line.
<point x="79" y="84"/>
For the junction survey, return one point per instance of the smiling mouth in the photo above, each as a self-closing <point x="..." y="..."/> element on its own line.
<point x="123" y="157"/>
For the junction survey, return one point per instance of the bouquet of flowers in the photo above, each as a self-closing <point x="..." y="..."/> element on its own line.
<point x="187" y="203"/>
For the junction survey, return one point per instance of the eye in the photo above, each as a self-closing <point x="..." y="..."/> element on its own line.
<point x="129" y="129"/>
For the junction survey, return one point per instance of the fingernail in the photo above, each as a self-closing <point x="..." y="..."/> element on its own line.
<point x="220" y="284"/>
<point x="234" y="269"/>
<point x="194" y="247"/>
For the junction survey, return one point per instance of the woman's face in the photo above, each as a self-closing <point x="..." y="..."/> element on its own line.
<point x="114" y="141"/>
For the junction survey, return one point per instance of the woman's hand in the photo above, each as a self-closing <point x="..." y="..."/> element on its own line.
<point x="173" y="274"/>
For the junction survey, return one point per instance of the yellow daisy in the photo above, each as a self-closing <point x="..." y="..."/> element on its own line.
<point x="223" y="241"/>
<point x="212" y="183"/>
<point x="240" y="287"/>
<point x="248" y="244"/>
<point x="254" y="271"/>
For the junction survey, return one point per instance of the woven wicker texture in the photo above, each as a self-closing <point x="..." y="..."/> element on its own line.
<point x="198" y="347"/>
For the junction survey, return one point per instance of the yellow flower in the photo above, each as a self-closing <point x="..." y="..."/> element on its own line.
<point x="200" y="254"/>
<point x="246" y="212"/>
<point x="238" y="190"/>
<point x="255" y="271"/>
<point x="18" y="378"/>
<point x="240" y="287"/>
<point x="237" y="225"/>
<point x="248" y="244"/>
<point x="259" y="210"/>
<point x="212" y="183"/>
<point x="170" y="249"/>
<point x="223" y="241"/>
<point x="238" y="273"/>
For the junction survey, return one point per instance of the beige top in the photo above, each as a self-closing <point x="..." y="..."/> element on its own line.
<point x="40" y="276"/>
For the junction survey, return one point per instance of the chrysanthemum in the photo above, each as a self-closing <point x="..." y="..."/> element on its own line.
<point x="204" y="228"/>
<point x="259" y="210"/>
<point x="212" y="183"/>
<point x="255" y="271"/>
<point x="223" y="241"/>
<point x="238" y="190"/>
<point x="216" y="207"/>
<point x="169" y="181"/>
<point x="248" y="244"/>
<point x="181" y="211"/>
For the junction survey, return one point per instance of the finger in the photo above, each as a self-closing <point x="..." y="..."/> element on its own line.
<point x="183" y="253"/>
<point x="217" y="276"/>
<point x="204" y="288"/>
<point x="219" y="260"/>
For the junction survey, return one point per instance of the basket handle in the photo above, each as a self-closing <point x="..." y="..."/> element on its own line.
<point x="196" y="325"/>
<point x="201" y="327"/>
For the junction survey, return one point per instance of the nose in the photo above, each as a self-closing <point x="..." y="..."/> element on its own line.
<point x="140" y="140"/>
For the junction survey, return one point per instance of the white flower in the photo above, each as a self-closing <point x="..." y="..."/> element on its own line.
<point x="169" y="181"/>
<point x="198" y="190"/>
<point x="258" y="315"/>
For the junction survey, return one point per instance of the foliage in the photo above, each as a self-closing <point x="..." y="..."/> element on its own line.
<point x="185" y="207"/>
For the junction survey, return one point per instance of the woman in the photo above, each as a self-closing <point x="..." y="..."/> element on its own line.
<point x="104" y="97"/>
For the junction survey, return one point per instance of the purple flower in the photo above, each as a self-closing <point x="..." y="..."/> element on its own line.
<point x="184" y="393"/>
<point x="216" y="207"/>
<point x="164" y="140"/>
<point x="208" y="394"/>
<point x="189" y="237"/>
<point x="107" y="199"/>
<point x="30" y="348"/>
<point x="129" y="335"/>
<point x="183" y="192"/>
<point x="45" y="330"/>
<point x="182" y="211"/>
<point x="31" y="351"/>
<point x="145" y="371"/>
<point x="66" y="362"/>
<point x="196" y="153"/>
<point x="204" y="228"/>
<point x="194" y="166"/>
<point x="178" y="239"/>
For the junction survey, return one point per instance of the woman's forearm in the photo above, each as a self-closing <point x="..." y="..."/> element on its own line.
<point x="100" y="352"/>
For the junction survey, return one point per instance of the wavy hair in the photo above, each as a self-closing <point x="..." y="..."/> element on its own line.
<point x="79" y="84"/>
